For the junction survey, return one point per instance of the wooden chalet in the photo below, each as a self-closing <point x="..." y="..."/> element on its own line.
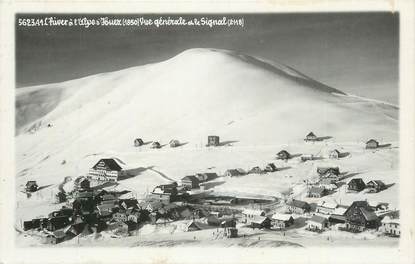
<point x="281" y="221"/>
<point x="234" y="173"/>
<point x="174" y="143"/>
<point x="360" y="216"/>
<point x="317" y="192"/>
<point x="283" y="155"/>
<point x="298" y="207"/>
<point x="390" y="226"/>
<point x="317" y="223"/>
<point x="310" y="137"/>
<point x="260" y="222"/>
<point x="213" y="141"/>
<point x="193" y="226"/>
<point x="372" y="144"/>
<point x="155" y="145"/>
<point x="107" y="170"/>
<point x="325" y="171"/>
<point x="58" y="222"/>
<point x="376" y="185"/>
<point x="256" y="170"/>
<point x="250" y="214"/>
<point x="356" y="185"/>
<point x="271" y="167"/>
<point x="334" y="154"/>
<point x="31" y="186"/>
<point x="138" y="142"/>
<point x="190" y="181"/>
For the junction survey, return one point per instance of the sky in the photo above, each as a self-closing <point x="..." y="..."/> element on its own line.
<point x="357" y="53"/>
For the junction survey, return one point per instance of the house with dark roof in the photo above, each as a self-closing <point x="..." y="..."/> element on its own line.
<point x="317" y="192"/>
<point x="334" y="154"/>
<point x="310" y="137"/>
<point x="271" y="167"/>
<point x="261" y="222"/>
<point x="190" y="181"/>
<point x="360" y="216"/>
<point x="155" y="145"/>
<point x="106" y="170"/>
<point x="281" y="221"/>
<point x="317" y="223"/>
<point x="233" y="173"/>
<point x="31" y="186"/>
<point x="326" y="171"/>
<point x="356" y="185"/>
<point x="58" y="222"/>
<point x="376" y="185"/>
<point x="298" y="207"/>
<point x="213" y="141"/>
<point x="138" y="142"/>
<point x="283" y="155"/>
<point x="372" y="144"/>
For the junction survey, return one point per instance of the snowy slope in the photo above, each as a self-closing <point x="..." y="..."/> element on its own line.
<point x="259" y="106"/>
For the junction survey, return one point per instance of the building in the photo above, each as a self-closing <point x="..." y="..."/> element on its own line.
<point x="60" y="197"/>
<point x="231" y="232"/>
<point x="372" y="144"/>
<point x="138" y="142"/>
<point x="233" y="173"/>
<point x="310" y="137"/>
<point x="260" y="222"/>
<point x="317" y="223"/>
<point x="334" y="154"/>
<point x="204" y="177"/>
<point x="281" y="221"/>
<point x="193" y="226"/>
<point x="356" y="185"/>
<point x="155" y="145"/>
<point x="298" y="207"/>
<point x="324" y="172"/>
<point x="107" y="170"/>
<point x="306" y="157"/>
<point x="376" y="185"/>
<point x="58" y="222"/>
<point x="214" y="220"/>
<point x="174" y="143"/>
<point x="190" y="181"/>
<point x="317" y="192"/>
<point x="213" y="141"/>
<point x="360" y="216"/>
<point x="164" y="193"/>
<point x="283" y="155"/>
<point x="271" y="167"/>
<point x="120" y="216"/>
<point x="324" y="207"/>
<point x="105" y="210"/>
<point x="31" y="186"/>
<point x="390" y="226"/>
<point x="256" y="170"/>
<point x="250" y="214"/>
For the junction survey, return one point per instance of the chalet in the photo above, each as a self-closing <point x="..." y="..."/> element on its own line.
<point x="133" y="215"/>
<point x="60" y="197"/>
<point x="120" y="216"/>
<point x="334" y="154"/>
<point x="57" y="223"/>
<point x="174" y="143"/>
<point x="138" y="142"/>
<point x="249" y="215"/>
<point x="281" y="221"/>
<point x="164" y="193"/>
<point x="155" y="145"/>
<point x="298" y="207"/>
<point x="109" y="199"/>
<point x="260" y="222"/>
<point x="256" y="170"/>
<point x="231" y="232"/>
<point x="153" y="206"/>
<point x="360" y="216"/>
<point x="324" y="207"/>
<point x="128" y="203"/>
<point x="317" y="223"/>
<point x="326" y="171"/>
<point x="283" y="155"/>
<point x="233" y="173"/>
<point x="190" y="181"/>
<point x="390" y="226"/>
<point x="213" y="141"/>
<point x="376" y="185"/>
<point x="337" y="219"/>
<point x="271" y="167"/>
<point x="372" y="144"/>
<point x="107" y="170"/>
<point x="204" y="177"/>
<point x="306" y="157"/>
<point x="68" y="212"/>
<point x="356" y="185"/>
<point x="310" y="137"/>
<point x="317" y="192"/>
<point x="213" y="220"/>
<point x="193" y="226"/>
<point x="31" y="186"/>
<point x="105" y="210"/>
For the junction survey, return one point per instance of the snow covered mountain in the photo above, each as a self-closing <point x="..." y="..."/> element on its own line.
<point x="244" y="100"/>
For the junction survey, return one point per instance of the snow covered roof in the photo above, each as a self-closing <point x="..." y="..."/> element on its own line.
<point x="331" y="205"/>
<point x="253" y="212"/>
<point x="389" y="220"/>
<point x="318" y="219"/>
<point x="259" y="219"/>
<point x="339" y="211"/>
<point x="110" y="164"/>
<point x="281" y="217"/>
<point x="369" y="215"/>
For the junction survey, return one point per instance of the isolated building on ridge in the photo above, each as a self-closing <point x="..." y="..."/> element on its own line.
<point x="372" y="144"/>
<point x="213" y="141"/>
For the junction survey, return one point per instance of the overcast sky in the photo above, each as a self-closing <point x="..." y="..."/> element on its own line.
<point x="356" y="53"/>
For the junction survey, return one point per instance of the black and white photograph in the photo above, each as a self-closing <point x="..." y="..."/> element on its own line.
<point x="204" y="130"/>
